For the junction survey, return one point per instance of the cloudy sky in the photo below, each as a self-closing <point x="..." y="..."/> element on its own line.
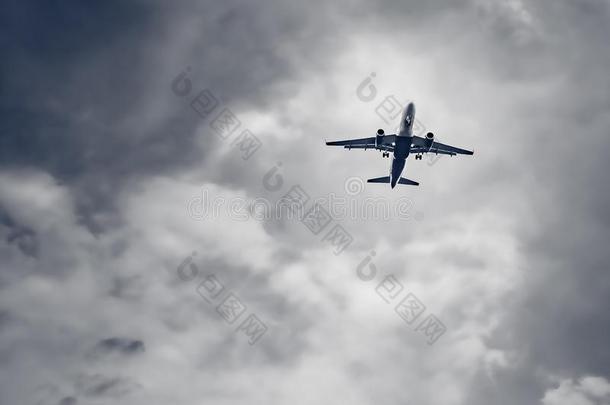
<point x="487" y="284"/>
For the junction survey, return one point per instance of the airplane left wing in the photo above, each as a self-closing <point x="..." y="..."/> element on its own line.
<point x="419" y="146"/>
<point x="387" y="143"/>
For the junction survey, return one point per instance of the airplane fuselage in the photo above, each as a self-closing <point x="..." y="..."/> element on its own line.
<point x="402" y="147"/>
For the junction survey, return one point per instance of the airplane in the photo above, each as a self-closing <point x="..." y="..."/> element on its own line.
<point x="401" y="144"/>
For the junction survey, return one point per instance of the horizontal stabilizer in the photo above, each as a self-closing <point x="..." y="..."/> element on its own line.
<point x="407" y="181"/>
<point x="386" y="179"/>
<point x="379" y="180"/>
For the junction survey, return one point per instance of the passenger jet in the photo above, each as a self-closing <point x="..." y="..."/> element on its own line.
<point x="401" y="145"/>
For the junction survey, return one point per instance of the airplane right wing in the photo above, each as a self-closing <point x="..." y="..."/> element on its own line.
<point x="419" y="146"/>
<point x="387" y="143"/>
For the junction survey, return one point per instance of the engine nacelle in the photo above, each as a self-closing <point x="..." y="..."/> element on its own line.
<point x="379" y="137"/>
<point x="429" y="140"/>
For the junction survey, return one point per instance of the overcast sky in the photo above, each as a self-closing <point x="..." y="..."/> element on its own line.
<point x="116" y="273"/>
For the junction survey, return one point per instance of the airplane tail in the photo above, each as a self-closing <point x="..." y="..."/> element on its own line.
<point x="386" y="179"/>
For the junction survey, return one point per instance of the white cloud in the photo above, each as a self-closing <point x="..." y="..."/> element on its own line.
<point x="584" y="391"/>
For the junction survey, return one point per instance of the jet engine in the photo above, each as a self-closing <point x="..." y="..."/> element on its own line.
<point x="429" y="140"/>
<point x="379" y="137"/>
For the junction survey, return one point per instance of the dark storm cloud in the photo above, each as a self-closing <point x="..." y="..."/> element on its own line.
<point x="86" y="96"/>
<point x="49" y="82"/>
<point x="73" y="77"/>
<point x="78" y="79"/>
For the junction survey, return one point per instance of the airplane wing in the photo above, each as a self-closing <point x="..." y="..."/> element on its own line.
<point x="419" y="146"/>
<point x="387" y="143"/>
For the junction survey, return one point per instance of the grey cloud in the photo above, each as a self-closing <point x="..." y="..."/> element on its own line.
<point x="121" y="345"/>
<point x="79" y="82"/>
<point x="68" y="401"/>
<point x="287" y="323"/>
<point x="101" y="386"/>
<point x="18" y="235"/>
<point x="87" y="98"/>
